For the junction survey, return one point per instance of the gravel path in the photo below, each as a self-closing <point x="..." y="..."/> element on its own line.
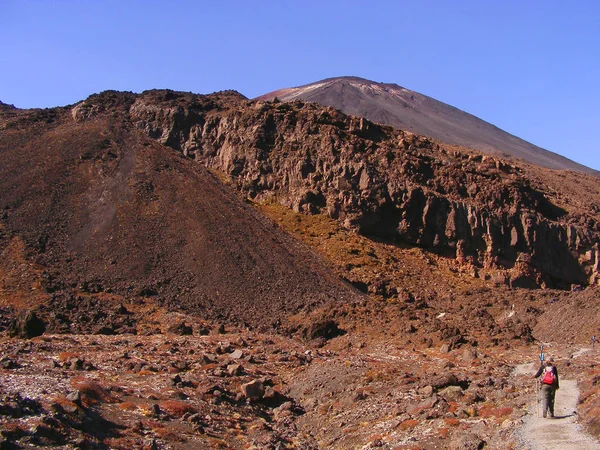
<point x="560" y="433"/>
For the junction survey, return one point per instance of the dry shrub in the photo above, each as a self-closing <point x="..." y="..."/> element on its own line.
<point x="591" y="417"/>
<point x="325" y="408"/>
<point x="444" y="432"/>
<point x="488" y="411"/>
<point x="452" y="421"/>
<point x="376" y="375"/>
<point x="504" y="411"/>
<point x="14" y="430"/>
<point x="152" y="424"/>
<point x="120" y="443"/>
<point x="591" y="409"/>
<point x="62" y="401"/>
<point x="408" y="424"/>
<point x="452" y="407"/>
<point x="217" y="443"/>
<point x="176" y="408"/>
<point x="128" y="406"/>
<point x="65" y="356"/>
<point x="169" y="435"/>
<point x="92" y="392"/>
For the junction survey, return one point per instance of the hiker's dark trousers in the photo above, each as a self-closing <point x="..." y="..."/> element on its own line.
<point x="548" y="392"/>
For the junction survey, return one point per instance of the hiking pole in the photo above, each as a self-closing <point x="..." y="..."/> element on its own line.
<point x="537" y="396"/>
<point x="537" y="382"/>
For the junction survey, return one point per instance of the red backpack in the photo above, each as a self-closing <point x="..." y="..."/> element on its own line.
<point x="549" y="377"/>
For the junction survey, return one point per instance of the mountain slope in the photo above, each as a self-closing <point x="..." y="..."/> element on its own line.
<point x="539" y="224"/>
<point x="394" y="105"/>
<point x="112" y="195"/>
<point x="99" y="207"/>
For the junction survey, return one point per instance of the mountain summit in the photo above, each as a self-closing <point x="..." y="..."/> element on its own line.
<point x="408" y="110"/>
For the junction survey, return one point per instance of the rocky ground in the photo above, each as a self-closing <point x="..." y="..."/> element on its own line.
<point x="182" y="384"/>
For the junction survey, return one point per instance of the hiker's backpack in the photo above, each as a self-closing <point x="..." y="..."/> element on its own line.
<point x="549" y="377"/>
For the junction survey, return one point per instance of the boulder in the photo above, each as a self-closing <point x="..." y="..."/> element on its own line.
<point x="254" y="390"/>
<point x="180" y="329"/>
<point x="444" y="380"/>
<point x="322" y="330"/>
<point x="27" y="325"/>
<point x="451" y="393"/>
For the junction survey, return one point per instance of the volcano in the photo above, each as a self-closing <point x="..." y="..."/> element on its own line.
<point x="408" y="110"/>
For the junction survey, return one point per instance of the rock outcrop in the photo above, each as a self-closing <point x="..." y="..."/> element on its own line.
<point x="377" y="180"/>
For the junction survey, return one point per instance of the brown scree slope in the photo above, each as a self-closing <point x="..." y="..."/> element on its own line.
<point x="100" y="206"/>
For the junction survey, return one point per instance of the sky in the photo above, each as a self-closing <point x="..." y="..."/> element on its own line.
<point x="529" y="67"/>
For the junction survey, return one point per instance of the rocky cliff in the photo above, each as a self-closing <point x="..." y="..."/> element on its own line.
<point x="381" y="181"/>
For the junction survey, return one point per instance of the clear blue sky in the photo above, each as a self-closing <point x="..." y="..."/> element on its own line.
<point x="529" y="67"/>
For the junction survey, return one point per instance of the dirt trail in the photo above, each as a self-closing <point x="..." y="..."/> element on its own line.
<point x="560" y="433"/>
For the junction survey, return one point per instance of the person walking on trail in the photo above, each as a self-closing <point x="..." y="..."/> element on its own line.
<point x="549" y="380"/>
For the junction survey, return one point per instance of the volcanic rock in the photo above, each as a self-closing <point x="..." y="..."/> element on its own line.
<point x="27" y="325"/>
<point x="254" y="390"/>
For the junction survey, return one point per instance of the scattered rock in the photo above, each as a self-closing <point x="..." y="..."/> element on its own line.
<point x="426" y="391"/>
<point x="467" y="441"/>
<point x="234" y="369"/>
<point x="105" y="330"/>
<point x="425" y="405"/>
<point x="322" y="330"/>
<point x="223" y="348"/>
<point x="237" y="354"/>
<point x="180" y="366"/>
<point x="442" y="381"/>
<point x="180" y="329"/>
<point x="253" y="391"/>
<point x="469" y="354"/>
<point x="452" y="393"/>
<point x="74" y="397"/>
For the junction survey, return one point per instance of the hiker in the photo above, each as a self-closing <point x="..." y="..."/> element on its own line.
<point x="549" y="382"/>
